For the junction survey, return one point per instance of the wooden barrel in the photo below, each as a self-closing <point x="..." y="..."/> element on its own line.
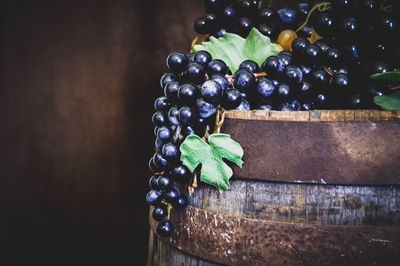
<point x="317" y="188"/>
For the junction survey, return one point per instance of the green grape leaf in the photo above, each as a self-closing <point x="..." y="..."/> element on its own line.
<point x="395" y="76"/>
<point x="390" y="102"/>
<point x="214" y="171"/>
<point x="233" y="49"/>
<point x="259" y="47"/>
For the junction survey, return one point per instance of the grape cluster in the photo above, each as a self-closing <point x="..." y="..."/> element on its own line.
<point x="358" y="40"/>
<point x="194" y="89"/>
<point x="240" y="16"/>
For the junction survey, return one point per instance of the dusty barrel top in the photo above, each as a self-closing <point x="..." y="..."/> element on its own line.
<point x="330" y="146"/>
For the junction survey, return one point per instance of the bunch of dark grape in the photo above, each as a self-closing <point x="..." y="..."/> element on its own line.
<point x="240" y="16"/>
<point x="194" y="89"/>
<point x="359" y="39"/>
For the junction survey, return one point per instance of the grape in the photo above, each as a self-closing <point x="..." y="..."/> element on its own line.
<point x="181" y="202"/>
<point x="349" y="28"/>
<point x="186" y="115"/>
<point x="217" y="67"/>
<point x="306" y="90"/>
<point x="296" y="105"/>
<point x="162" y="104"/>
<point x="200" y="26"/>
<point x="368" y="7"/>
<point x="250" y="66"/>
<point x="341" y="82"/>
<point x="333" y="57"/>
<point x="247" y="7"/>
<point x="165" y="133"/>
<point x="158" y="119"/>
<point x="176" y="62"/>
<point x="244" y="81"/>
<point x="287" y="15"/>
<point x="286" y="38"/>
<point x="324" y="25"/>
<point x="357" y="101"/>
<point x="302" y="10"/>
<point x="305" y="32"/>
<point x="222" y="81"/>
<point x="267" y="16"/>
<point x="181" y="174"/>
<point x="307" y="70"/>
<point x="312" y="54"/>
<point x="340" y="6"/>
<point x="164" y="182"/>
<point x="211" y="91"/>
<point x="350" y="50"/>
<point x="160" y="162"/>
<point x="187" y="130"/>
<point x="187" y="94"/>
<point x="153" y="182"/>
<point x="152" y="166"/>
<point x="378" y="89"/>
<point x="160" y="212"/>
<point x="286" y="57"/>
<point x="194" y="73"/>
<point x="321" y="100"/>
<point x="320" y="78"/>
<point x="171" y="91"/>
<point x="202" y="58"/>
<point x="205" y="109"/>
<point x="171" y="152"/>
<point x="231" y="99"/>
<point x="171" y="194"/>
<point x="267" y="30"/>
<point x="283" y="91"/>
<point x="287" y="107"/>
<point x="299" y="45"/>
<point x="154" y="197"/>
<point x="244" y="26"/>
<point x="387" y="27"/>
<point x="173" y="114"/>
<point x="265" y="87"/>
<point x="293" y="75"/>
<point x="229" y="14"/>
<point x="307" y="106"/>
<point x="244" y="105"/>
<point x="166" y="78"/>
<point x="221" y="33"/>
<point x="266" y="106"/>
<point x="212" y="23"/>
<point x="165" y="229"/>
<point x="323" y="45"/>
<point x="274" y="66"/>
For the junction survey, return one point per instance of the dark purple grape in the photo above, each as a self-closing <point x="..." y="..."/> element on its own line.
<point x="162" y="104"/>
<point x="186" y="115"/>
<point x="274" y="66"/>
<point x="200" y="26"/>
<point x="267" y="16"/>
<point x="217" y="67"/>
<point x="324" y="25"/>
<point x="166" y="78"/>
<point x="299" y="45"/>
<point x="194" y="73"/>
<point x="160" y="212"/>
<point x="265" y="88"/>
<point x="171" y="194"/>
<point x="165" y="229"/>
<point x="205" y="109"/>
<point x="231" y="99"/>
<point x="154" y="197"/>
<point x="222" y="80"/>
<point x="173" y="116"/>
<point x="181" y="202"/>
<point x="202" y="58"/>
<point x="211" y="91"/>
<point x="250" y="66"/>
<point x="267" y="30"/>
<point x="164" y="182"/>
<point x="171" y="91"/>
<point x="171" y="152"/>
<point x="293" y="75"/>
<point x="181" y="174"/>
<point x="159" y="119"/>
<point x="177" y="62"/>
<point x="244" y="26"/>
<point x="187" y="94"/>
<point x="244" y="81"/>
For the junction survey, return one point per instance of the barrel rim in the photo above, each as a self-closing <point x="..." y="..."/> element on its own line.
<point x="315" y="115"/>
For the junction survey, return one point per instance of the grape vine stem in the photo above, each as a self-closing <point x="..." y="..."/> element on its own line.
<point x="321" y="7"/>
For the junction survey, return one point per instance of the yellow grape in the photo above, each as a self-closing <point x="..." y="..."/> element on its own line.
<point x="286" y="38"/>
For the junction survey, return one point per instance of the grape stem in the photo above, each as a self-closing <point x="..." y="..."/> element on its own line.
<point x="321" y="8"/>
<point x="219" y="121"/>
<point x="194" y="185"/>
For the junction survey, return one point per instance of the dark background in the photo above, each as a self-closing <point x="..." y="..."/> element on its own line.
<point x="77" y="83"/>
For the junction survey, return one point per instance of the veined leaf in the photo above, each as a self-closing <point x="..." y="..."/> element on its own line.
<point x="214" y="171"/>
<point x="395" y="76"/>
<point x="233" y="49"/>
<point x="389" y="102"/>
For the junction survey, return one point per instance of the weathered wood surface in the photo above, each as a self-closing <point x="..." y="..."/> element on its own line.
<point x="258" y="222"/>
<point x="334" y="147"/>
<point x="235" y="240"/>
<point x="162" y="253"/>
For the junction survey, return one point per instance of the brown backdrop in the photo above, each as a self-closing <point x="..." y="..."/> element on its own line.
<point x="77" y="83"/>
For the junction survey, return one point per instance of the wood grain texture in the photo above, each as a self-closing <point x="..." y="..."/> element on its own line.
<point x="329" y="147"/>
<point x="77" y="83"/>
<point x="258" y="222"/>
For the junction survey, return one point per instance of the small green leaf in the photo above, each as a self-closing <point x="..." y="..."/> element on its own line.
<point x="214" y="171"/>
<point x="390" y="102"/>
<point x="233" y="49"/>
<point x="395" y="76"/>
<point x="259" y="47"/>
